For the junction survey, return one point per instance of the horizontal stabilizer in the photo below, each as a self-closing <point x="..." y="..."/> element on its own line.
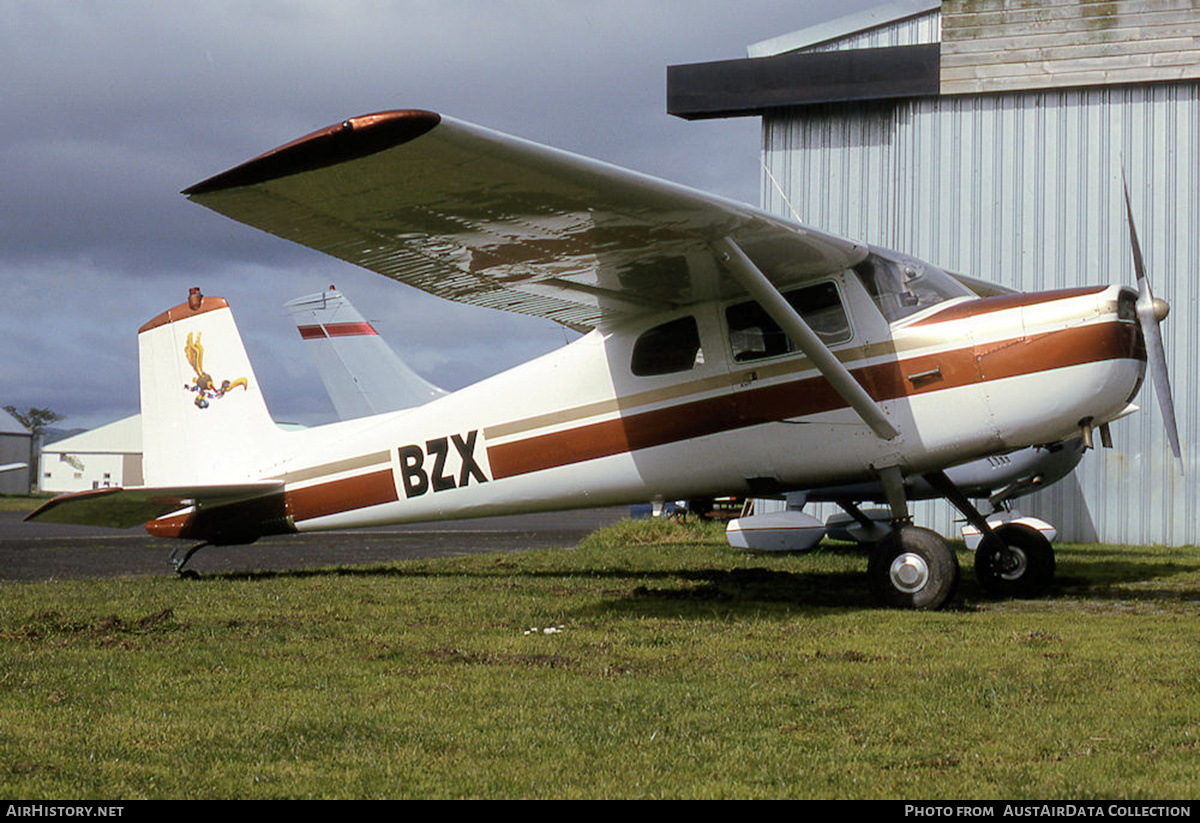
<point x="122" y="508"/>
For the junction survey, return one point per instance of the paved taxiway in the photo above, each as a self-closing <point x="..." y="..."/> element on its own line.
<point x="37" y="551"/>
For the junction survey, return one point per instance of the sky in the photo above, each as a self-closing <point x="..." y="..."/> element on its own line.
<point x="110" y="109"/>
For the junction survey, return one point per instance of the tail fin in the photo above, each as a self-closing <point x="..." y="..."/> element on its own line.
<point x="360" y="371"/>
<point x="204" y="419"/>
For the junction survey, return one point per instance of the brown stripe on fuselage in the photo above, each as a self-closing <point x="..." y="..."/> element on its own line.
<point x="247" y="520"/>
<point x="336" y="496"/>
<point x="987" y="305"/>
<point x="765" y="370"/>
<point x="813" y="395"/>
<point x="725" y="381"/>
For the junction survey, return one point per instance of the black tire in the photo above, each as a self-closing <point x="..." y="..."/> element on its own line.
<point x="1022" y="567"/>
<point x="913" y="568"/>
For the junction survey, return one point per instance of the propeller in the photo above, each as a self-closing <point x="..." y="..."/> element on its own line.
<point x="1151" y="311"/>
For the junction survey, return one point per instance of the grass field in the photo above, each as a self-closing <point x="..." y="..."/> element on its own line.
<point x="651" y="661"/>
<point x="22" y="502"/>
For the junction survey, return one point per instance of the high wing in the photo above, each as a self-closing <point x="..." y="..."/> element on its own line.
<point x="484" y="218"/>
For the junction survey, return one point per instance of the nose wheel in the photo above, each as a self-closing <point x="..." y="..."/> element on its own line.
<point x="1018" y="562"/>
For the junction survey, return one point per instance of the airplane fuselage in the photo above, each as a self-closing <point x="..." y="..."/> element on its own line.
<point x="634" y="413"/>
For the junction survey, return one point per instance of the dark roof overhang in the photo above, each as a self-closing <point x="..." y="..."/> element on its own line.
<point x="739" y="88"/>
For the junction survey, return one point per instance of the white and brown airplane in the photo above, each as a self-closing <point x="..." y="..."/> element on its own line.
<point x="363" y="375"/>
<point x="727" y="351"/>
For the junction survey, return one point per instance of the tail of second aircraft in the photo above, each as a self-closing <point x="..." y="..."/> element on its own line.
<point x="360" y="371"/>
<point x="204" y="418"/>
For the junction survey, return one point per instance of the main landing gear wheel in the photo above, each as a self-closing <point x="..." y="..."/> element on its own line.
<point x="1020" y="565"/>
<point x="913" y="568"/>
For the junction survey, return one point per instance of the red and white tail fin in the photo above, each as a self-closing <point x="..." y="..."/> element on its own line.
<point x="204" y="419"/>
<point x="362" y="374"/>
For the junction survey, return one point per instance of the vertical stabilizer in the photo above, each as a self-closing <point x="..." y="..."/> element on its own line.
<point x="362" y="374"/>
<point x="204" y="419"/>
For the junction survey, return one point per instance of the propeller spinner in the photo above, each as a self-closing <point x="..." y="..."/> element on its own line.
<point x="1151" y="311"/>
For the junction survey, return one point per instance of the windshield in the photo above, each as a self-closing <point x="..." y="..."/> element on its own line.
<point x="902" y="285"/>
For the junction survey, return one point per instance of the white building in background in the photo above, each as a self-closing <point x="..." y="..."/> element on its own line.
<point x="989" y="138"/>
<point x="106" y="456"/>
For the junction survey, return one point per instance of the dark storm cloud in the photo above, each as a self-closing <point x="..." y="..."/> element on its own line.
<point x="111" y="109"/>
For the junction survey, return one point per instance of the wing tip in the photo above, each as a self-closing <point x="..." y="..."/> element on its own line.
<point x="43" y="512"/>
<point x="348" y="140"/>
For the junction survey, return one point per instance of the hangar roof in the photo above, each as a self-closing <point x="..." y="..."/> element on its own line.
<point x="122" y="437"/>
<point x="11" y="425"/>
<point x="912" y="48"/>
<point x="842" y="27"/>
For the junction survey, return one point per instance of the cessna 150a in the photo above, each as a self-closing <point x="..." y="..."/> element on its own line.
<point x="727" y="351"/>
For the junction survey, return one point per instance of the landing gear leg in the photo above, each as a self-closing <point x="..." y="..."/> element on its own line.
<point x="1012" y="560"/>
<point x="911" y="568"/>
<point x="179" y="564"/>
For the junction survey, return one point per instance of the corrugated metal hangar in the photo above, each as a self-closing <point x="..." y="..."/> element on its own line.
<point x="989" y="137"/>
<point x="16" y="447"/>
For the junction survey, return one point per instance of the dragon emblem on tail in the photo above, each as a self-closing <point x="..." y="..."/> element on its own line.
<point x="205" y="387"/>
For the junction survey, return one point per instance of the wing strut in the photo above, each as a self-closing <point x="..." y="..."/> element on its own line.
<point x="762" y="290"/>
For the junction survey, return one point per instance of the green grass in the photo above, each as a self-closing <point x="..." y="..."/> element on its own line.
<point x="651" y="661"/>
<point x="22" y="502"/>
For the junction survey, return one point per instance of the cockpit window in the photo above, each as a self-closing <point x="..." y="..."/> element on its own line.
<point x="671" y="347"/>
<point x="902" y="285"/>
<point x="754" y="335"/>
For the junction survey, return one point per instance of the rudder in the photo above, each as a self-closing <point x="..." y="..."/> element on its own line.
<point x="204" y="418"/>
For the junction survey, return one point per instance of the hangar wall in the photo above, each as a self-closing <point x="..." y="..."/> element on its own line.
<point x="1025" y="190"/>
<point x="14" y="448"/>
<point x="1022" y="187"/>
